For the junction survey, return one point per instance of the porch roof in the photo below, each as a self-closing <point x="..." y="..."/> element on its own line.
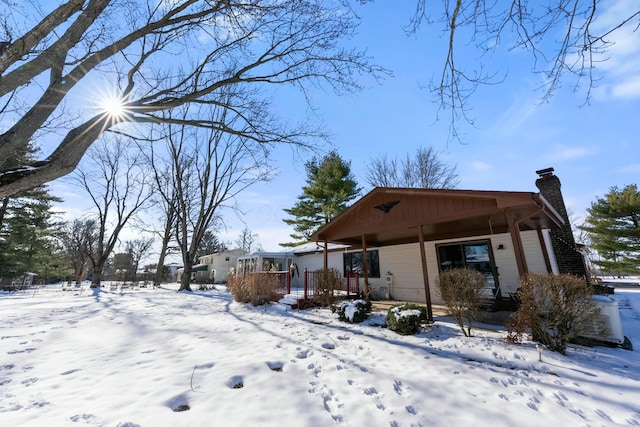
<point x="391" y="216"/>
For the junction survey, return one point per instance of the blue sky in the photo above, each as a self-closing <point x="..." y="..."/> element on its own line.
<point x="592" y="147"/>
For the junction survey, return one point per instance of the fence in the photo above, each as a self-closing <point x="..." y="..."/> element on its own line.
<point x="16" y="283"/>
<point x="349" y="286"/>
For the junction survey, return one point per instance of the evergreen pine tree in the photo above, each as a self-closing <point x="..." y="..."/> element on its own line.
<point x="613" y="226"/>
<point x="27" y="231"/>
<point x="330" y="187"/>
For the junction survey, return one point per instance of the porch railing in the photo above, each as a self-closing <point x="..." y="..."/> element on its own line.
<point x="349" y="286"/>
<point x="283" y="279"/>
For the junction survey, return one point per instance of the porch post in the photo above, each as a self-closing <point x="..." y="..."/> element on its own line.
<point x="365" y="268"/>
<point x="325" y="255"/>
<point x="517" y="243"/>
<point x="425" y="274"/>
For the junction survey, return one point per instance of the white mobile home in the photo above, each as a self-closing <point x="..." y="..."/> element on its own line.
<point x="215" y="267"/>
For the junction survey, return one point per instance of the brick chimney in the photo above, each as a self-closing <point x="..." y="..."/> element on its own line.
<point x="569" y="259"/>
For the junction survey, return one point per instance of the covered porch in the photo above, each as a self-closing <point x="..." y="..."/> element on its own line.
<point x="398" y="216"/>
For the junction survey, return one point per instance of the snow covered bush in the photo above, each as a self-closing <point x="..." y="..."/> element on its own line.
<point x="555" y="308"/>
<point x="354" y="311"/>
<point x="462" y="290"/>
<point x="406" y="319"/>
<point x="254" y="288"/>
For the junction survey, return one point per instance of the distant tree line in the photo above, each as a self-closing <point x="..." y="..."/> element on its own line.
<point x="35" y="239"/>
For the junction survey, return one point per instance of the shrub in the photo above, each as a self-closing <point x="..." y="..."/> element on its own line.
<point x="254" y="288"/>
<point x="354" y="311"/>
<point x="406" y="319"/>
<point x="326" y="282"/>
<point x="462" y="291"/>
<point x="555" y="308"/>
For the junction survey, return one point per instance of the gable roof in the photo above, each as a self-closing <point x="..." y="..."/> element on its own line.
<point x="389" y="216"/>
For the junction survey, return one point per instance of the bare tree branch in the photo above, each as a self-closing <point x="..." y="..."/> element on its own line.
<point x="532" y="26"/>
<point x="168" y="55"/>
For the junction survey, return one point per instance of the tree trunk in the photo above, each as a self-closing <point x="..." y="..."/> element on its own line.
<point x="3" y="210"/>
<point x="97" y="274"/>
<point x="79" y="273"/>
<point x="157" y="278"/>
<point x="163" y="253"/>
<point x="185" y="281"/>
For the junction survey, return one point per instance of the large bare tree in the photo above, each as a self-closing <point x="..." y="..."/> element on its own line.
<point x="138" y="248"/>
<point x="422" y="169"/>
<point x="209" y="168"/>
<point x="118" y="186"/>
<point x="155" y="56"/>
<point x="77" y="239"/>
<point x="165" y="197"/>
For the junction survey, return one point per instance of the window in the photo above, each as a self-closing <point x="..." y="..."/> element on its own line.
<point x="476" y="255"/>
<point x="353" y="263"/>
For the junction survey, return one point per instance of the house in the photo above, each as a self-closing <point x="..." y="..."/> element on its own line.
<point x="172" y="270"/>
<point x="400" y="239"/>
<point x="214" y="268"/>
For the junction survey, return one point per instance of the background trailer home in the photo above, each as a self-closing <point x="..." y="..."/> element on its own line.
<point x="214" y="267"/>
<point x="411" y="235"/>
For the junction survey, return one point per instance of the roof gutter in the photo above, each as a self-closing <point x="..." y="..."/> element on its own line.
<point x="547" y="208"/>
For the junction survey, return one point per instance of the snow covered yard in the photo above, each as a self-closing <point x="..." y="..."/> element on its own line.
<point x="133" y="358"/>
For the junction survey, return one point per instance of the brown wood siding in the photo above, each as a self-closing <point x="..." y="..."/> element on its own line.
<point x="409" y="214"/>
<point x="443" y="213"/>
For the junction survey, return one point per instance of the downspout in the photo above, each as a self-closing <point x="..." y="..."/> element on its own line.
<point x="545" y="250"/>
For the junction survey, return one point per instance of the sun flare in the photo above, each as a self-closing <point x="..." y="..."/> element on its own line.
<point x="113" y="106"/>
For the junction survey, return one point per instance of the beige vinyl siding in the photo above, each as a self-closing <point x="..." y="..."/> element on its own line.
<point x="405" y="265"/>
<point x="313" y="262"/>
<point x="403" y="262"/>
<point x="533" y="250"/>
<point x="505" y="260"/>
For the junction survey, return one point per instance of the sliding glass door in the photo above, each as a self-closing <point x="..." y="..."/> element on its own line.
<point x="476" y="255"/>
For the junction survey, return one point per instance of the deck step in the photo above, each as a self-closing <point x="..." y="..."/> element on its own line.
<point x="290" y="301"/>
